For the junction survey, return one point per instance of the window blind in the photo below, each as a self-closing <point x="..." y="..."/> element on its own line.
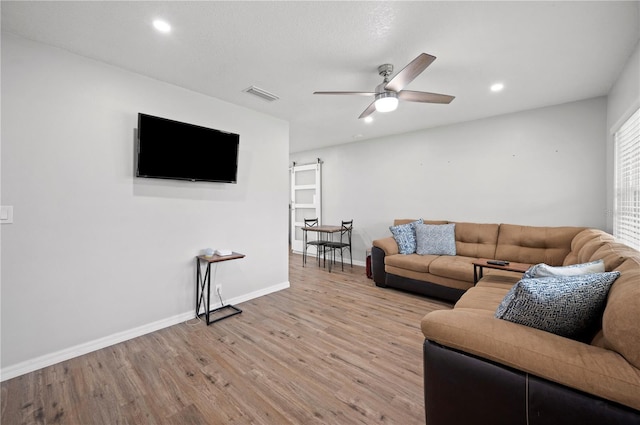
<point x="626" y="214"/>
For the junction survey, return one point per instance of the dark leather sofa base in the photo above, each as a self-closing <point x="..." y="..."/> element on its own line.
<point x="377" y="266"/>
<point x="421" y="287"/>
<point x="388" y="280"/>
<point x="463" y="389"/>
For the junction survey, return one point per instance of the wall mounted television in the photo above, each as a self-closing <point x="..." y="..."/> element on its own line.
<point x="176" y="150"/>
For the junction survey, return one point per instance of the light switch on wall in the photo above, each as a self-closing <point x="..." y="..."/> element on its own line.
<point x="6" y="214"/>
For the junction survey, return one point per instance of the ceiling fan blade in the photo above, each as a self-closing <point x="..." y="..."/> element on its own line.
<point x="357" y="93"/>
<point x="425" y="97"/>
<point x="410" y="72"/>
<point x="370" y="109"/>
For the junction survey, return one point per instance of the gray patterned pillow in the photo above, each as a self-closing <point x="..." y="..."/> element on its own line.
<point x="569" y="306"/>
<point x="437" y="239"/>
<point x="405" y="236"/>
<point x="542" y="269"/>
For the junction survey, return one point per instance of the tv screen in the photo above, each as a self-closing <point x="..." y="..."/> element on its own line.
<point x="170" y="149"/>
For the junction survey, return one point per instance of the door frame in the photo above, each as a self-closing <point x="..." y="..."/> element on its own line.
<point x="315" y="207"/>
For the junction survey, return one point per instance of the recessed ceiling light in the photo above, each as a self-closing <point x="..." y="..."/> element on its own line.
<point x="162" y="26"/>
<point x="368" y="119"/>
<point x="497" y="87"/>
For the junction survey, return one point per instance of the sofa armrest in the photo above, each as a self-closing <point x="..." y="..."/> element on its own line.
<point x="377" y="267"/>
<point x="388" y="245"/>
<point x="581" y="366"/>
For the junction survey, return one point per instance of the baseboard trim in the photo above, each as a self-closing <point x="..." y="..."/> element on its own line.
<point x="40" y="362"/>
<point x="259" y="293"/>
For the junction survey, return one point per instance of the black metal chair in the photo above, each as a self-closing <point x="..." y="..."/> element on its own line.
<point x="318" y="243"/>
<point x="343" y="244"/>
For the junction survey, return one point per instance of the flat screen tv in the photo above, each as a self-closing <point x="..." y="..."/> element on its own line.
<point x="176" y="150"/>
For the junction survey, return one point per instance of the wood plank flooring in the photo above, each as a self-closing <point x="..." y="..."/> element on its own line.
<point x="332" y="349"/>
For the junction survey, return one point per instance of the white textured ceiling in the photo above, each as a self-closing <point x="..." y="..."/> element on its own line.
<point x="544" y="52"/>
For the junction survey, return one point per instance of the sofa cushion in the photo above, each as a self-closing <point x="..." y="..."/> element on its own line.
<point x="415" y="262"/>
<point x="614" y="254"/>
<point x="622" y="314"/>
<point x="454" y="267"/>
<point x="529" y="244"/>
<point x="585" y="243"/>
<point x="476" y="239"/>
<point x="435" y="239"/>
<point x="405" y="236"/>
<point x="458" y="285"/>
<point x="569" y="306"/>
<point x="482" y="298"/>
<point x="544" y="270"/>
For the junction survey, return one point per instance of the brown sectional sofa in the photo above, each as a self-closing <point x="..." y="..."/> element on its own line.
<point x="448" y="277"/>
<point x="484" y="370"/>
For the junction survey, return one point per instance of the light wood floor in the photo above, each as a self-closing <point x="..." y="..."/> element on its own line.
<point x="332" y="349"/>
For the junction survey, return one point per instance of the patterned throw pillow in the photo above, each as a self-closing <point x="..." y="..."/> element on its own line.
<point x="543" y="270"/>
<point x="405" y="236"/>
<point x="569" y="306"/>
<point x="437" y="239"/>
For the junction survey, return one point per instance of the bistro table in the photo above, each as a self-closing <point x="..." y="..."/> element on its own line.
<point x="324" y="233"/>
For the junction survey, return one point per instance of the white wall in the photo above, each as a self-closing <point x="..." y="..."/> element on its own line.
<point x="539" y="167"/>
<point x="623" y="100"/>
<point x="95" y="254"/>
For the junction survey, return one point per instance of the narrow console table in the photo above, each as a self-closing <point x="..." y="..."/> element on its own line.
<point x="205" y="281"/>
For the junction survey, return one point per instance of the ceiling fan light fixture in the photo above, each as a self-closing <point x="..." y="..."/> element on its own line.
<point x="386" y="102"/>
<point x="390" y="91"/>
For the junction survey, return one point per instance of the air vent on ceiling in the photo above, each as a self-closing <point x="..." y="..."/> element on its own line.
<point x="263" y="94"/>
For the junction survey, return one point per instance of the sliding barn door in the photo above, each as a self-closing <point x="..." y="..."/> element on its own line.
<point x="306" y="200"/>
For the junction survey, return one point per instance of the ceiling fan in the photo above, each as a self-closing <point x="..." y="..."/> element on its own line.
<point x="389" y="91"/>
